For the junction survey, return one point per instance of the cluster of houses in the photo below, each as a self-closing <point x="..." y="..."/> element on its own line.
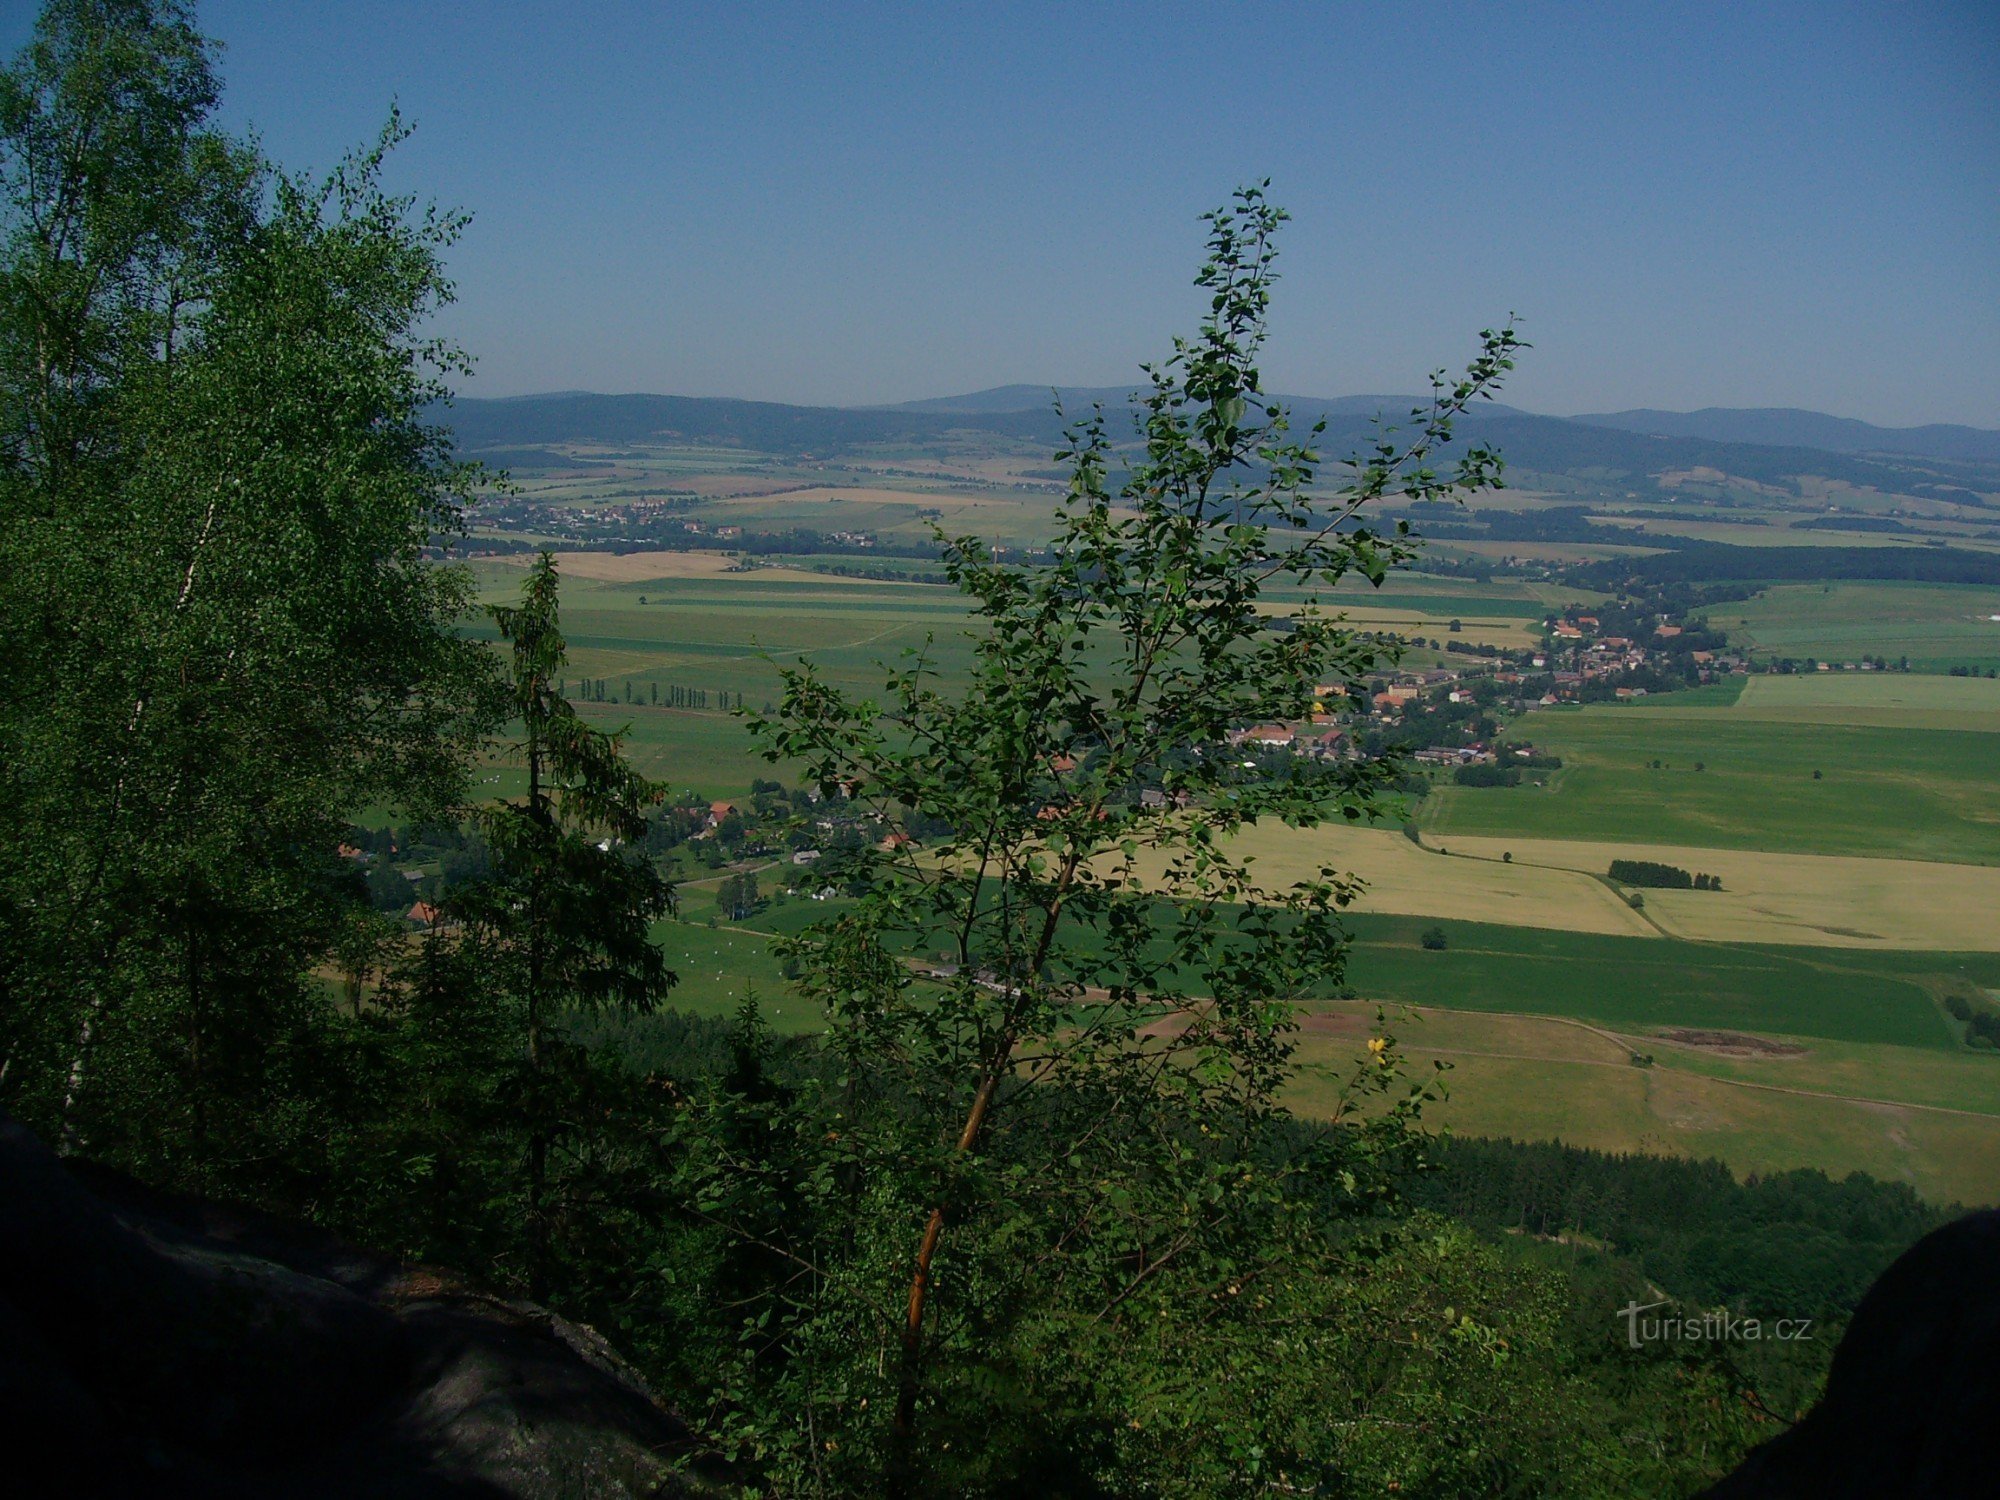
<point x="1578" y="661"/>
<point x="1577" y="654"/>
<point x="1321" y="739"/>
<point x="1329" y="734"/>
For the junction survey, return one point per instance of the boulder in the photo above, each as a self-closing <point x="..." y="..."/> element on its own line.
<point x="1913" y="1395"/>
<point x="152" y="1344"/>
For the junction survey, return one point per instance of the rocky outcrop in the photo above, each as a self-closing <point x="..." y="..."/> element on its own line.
<point x="154" y="1345"/>
<point x="1913" y="1396"/>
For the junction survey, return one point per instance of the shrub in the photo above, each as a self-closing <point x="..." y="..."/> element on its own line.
<point x="1434" y="939"/>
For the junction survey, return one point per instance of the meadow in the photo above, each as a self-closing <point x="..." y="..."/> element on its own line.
<point x="1859" y="1067"/>
<point x="1739" y="780"/>
<point x="1889" y="700"/>
<point x="1937" y="626"/>
<point x="1642" y="983"/>
<point x="644" y="622"/>
<point x="1900" y="1114"/>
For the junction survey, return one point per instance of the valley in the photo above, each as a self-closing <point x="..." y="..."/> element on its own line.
<point x="1851" y="815"/>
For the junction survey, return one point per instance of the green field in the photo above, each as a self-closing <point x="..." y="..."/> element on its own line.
<point x="1639" y="983"/>
<point x="1622" y="982"/>
<point x="1914" y="792"/>
<point x="1888" y="700"/>
<point x="1927" y="1118"/>
<point x="1937" y="626"/>
<point x="1539" y="1029"/>
<point x="731" y="633"/>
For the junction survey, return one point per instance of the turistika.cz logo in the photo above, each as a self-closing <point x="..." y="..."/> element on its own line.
<point x="1706" y="1327"/>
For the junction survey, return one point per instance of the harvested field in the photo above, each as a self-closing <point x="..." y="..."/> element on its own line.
<point x="1929" y="1119"/>
<point x="1407" y="880"/>
<point x="1820" y="899"/>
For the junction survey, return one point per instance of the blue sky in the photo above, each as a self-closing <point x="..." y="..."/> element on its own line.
<point x="1688" y="205"/>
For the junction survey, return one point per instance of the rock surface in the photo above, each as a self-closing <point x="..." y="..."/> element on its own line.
<point x="1912" y="1399"/>
<point x="156" y="1345"/>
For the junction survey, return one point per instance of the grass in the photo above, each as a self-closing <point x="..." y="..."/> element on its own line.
<point x="1519" y="1083"/>
<point x="646" y="622"/>
<point x="1491" y="1006"/>
<point x="1893" y="700"/>
<point x="1907" y="769"/>
<point x="1908" y="792"/>
<point x="1642" y="983"/>
<point x="718" y="965"/>
<point x="1937" y="626"/>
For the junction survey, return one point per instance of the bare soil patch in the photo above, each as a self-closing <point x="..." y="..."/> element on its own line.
<point x="1730" y="1043"/>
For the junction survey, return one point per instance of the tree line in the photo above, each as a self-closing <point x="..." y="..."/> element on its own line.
<point x="1652" y="875"/>
<point x="672" y="695"/>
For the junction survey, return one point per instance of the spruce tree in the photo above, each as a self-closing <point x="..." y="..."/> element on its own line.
<point x="562" y="928"/>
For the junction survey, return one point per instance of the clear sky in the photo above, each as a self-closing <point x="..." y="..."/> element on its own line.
<point x="1688" y="205"/>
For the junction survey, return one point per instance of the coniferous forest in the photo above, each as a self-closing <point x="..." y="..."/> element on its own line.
<point x="1035" y="1220"/>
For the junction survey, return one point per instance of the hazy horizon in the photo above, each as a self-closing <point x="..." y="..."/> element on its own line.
<point x="1794" y="207"/>
<point x="1047" y="386"/>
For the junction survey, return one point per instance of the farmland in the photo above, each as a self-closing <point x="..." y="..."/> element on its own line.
<point x="1556" y="883"/>
<point x="1853" y="901"/>
<point x="1850" y="1062"/>
<point x="1901" y="1114"/>
<point x="1729" y="779"/>
<point x="1841" y="900"/>
<point x="650" y="620"/>
<point x="1936" y="626"/>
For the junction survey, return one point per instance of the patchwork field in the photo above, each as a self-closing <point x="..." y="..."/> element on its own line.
<point x="644" y="622"/>
<point x="1766" y="1058"/>
<point x="1558" y="884"/>
<point x="1854" y="902"/>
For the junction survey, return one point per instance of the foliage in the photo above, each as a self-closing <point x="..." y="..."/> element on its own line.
<point x="1031" y="1217"/>
<point x="562" y="926"/>
<point x="1082" y="1092"/>
<point x="217" y="485"/>
<point x="1656" y="876"/>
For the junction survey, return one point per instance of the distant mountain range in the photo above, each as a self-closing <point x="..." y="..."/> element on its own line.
<point x="1768" y="426"/>
<point x="1788" y="427"/>
<point x="1617" y="455"/>
<point x="1080" y="398"/>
